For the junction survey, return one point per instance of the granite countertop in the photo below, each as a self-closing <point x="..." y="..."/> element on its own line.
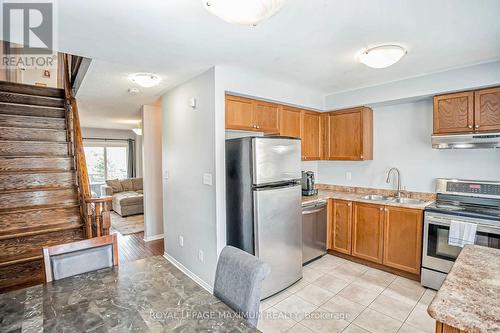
<point x="469" y="298"/>
<point x="147" y="295"/>
<point x="324" y="194"/>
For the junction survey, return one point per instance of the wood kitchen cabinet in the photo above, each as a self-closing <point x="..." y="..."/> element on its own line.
<point x="368" y="231"/>
<point x="290" y="121"/>
<point x="251" y="115"/>
<point x="487" y="110"/>
<point x="454" y="113"/>
<point x="239" y="113"/>
<point x="350" y="135"/>
<point x="403" y="238"/>
<point x="266" y="116"/>
<point x="340" y="226"/>
<point x="311" y="136"/>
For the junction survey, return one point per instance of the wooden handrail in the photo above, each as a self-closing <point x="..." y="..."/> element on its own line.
<point x="95" y="211"/>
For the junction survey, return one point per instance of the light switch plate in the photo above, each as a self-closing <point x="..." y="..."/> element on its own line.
<point x="207" y="179"/>
<point x="166" y="174"/>
<point x="348" y="176"/>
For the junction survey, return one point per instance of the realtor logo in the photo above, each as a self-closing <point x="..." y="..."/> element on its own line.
<point x="28" y="27"/>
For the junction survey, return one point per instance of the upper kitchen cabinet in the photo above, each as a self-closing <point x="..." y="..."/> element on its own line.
<point x="487" y="109"/>
<point x="290" y="121"/>
<point x="311" y="136"/>
<point x="239" y="113"/>
<point x="454" y="113"/>
<point x="266" y="116"/>
<point x="349" y="135"/>
<point x="251" y="115"/>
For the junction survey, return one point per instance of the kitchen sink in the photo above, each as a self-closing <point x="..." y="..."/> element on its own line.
<point x="376" y="197"/>
<point x="407" y="201"/>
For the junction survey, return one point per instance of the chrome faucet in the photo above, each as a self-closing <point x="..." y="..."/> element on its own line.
<point x="388" y="180"/>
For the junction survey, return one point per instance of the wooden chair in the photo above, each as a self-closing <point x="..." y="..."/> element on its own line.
<point x="61" y="261"/>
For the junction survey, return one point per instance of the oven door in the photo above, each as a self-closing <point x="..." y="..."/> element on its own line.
<point x="437" y="253"/>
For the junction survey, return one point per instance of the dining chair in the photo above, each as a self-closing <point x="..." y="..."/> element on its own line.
<point x="238" y="282"/>
<point x="61" y="261"/>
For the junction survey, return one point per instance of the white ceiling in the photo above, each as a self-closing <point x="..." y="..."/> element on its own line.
<point x="311" y="42"/>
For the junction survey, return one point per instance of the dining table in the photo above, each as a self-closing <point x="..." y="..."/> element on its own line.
<point x="147" y="295"/>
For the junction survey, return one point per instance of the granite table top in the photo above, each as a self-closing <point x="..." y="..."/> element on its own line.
<point x="147" y="295"/>
<point x="469" y="298"/>
<point x="324" y="194"/>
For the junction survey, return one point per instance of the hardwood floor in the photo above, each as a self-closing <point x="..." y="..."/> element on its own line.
<point x="133" y="247"/>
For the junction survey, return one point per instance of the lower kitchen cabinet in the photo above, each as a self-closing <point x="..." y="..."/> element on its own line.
<point x="368" y="231"/>
<point x="403" y="238"/>
<point x="341" y="223"/>
<point x="387" y="235"/>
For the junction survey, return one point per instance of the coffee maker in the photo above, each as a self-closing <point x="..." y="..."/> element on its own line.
<point x="308" y="183"/>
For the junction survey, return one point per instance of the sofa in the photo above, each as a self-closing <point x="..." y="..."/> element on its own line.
<point x="128" y="197"/>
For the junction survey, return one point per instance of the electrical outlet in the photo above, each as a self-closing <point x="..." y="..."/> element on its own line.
<point x="200" y="255"/>
<point x="348" y="175"/>
<point x="181" y="241"/>
<point x="166" y="174"/>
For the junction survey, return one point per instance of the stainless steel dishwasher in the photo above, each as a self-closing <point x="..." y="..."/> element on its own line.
<point x="313" y="230"/>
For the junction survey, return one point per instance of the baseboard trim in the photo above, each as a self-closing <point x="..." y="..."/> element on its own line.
<point x="186" y="271"/>
<point x="152" y="238"/>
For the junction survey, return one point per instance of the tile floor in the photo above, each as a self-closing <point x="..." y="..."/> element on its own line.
<point x="336" y="295"/>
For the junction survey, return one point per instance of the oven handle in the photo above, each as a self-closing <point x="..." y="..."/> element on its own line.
<point x="446" y="222"/>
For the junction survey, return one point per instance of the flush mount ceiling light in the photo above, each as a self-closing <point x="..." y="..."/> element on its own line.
<point x="382" y="56"/>
<point x="245" y="12"/>
<point x="146" y="80"/>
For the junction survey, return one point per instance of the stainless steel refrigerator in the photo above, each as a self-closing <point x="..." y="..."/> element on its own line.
<point x="263" y="212"/>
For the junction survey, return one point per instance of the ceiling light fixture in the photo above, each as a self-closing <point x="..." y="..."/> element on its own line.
<point x="137" y="131"/>
<point x="382" y="56"/>
<point x="244" y="12"/>
<point x="146" y="80"/>
<point x="133" y="91"/>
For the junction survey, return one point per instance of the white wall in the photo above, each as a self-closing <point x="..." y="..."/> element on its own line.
<point x="402" y="139"/>
<point x="189" y="152"/>
<point x="415" y="88"/>
<point x="152" y="172"/>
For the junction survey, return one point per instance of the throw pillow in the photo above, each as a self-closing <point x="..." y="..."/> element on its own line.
<point x="137" y="183"/>
<point x="127" y="185"/>
<point x="115" y="184"/>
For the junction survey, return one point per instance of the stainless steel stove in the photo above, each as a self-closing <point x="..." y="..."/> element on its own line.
<point x="464" y="201"/>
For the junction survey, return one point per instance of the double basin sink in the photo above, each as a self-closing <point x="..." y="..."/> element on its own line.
<point x="383" y="198"/>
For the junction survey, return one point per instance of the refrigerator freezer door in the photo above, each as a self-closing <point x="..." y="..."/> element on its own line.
<point x="275" y="160"/>
<point x="278" y="229"/>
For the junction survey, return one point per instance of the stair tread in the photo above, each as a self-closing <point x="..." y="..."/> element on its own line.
<point x="34" y="208"/>
<point x="28" y="231"/>
<point x="11" y="133"/>
<point x="31" y="89"/>
<point x="27" y="99"/>
<point x="22" y="258"/>
<point x="10" y="120"/>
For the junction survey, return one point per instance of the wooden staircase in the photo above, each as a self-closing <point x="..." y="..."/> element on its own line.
<point x="39" y="201"/>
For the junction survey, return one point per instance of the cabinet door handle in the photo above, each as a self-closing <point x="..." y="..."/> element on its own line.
<point x="361" y="156"/>
<point x="381" y="209"/>
<point x="257" y="126"/>
<point x="477" y="126"/>
<point x="470" y="126"/>
<point x="349" y="204"/>
<point x="386" y="210"/>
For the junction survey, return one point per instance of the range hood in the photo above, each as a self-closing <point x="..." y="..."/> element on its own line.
<point x="466" y="141"/>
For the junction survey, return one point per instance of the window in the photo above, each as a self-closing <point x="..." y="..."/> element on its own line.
<point x="105" y="160"/>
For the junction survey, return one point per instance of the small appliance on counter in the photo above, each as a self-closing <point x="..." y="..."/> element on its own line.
<point x="308" y="184"/>
<point x="470" y="207"/>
